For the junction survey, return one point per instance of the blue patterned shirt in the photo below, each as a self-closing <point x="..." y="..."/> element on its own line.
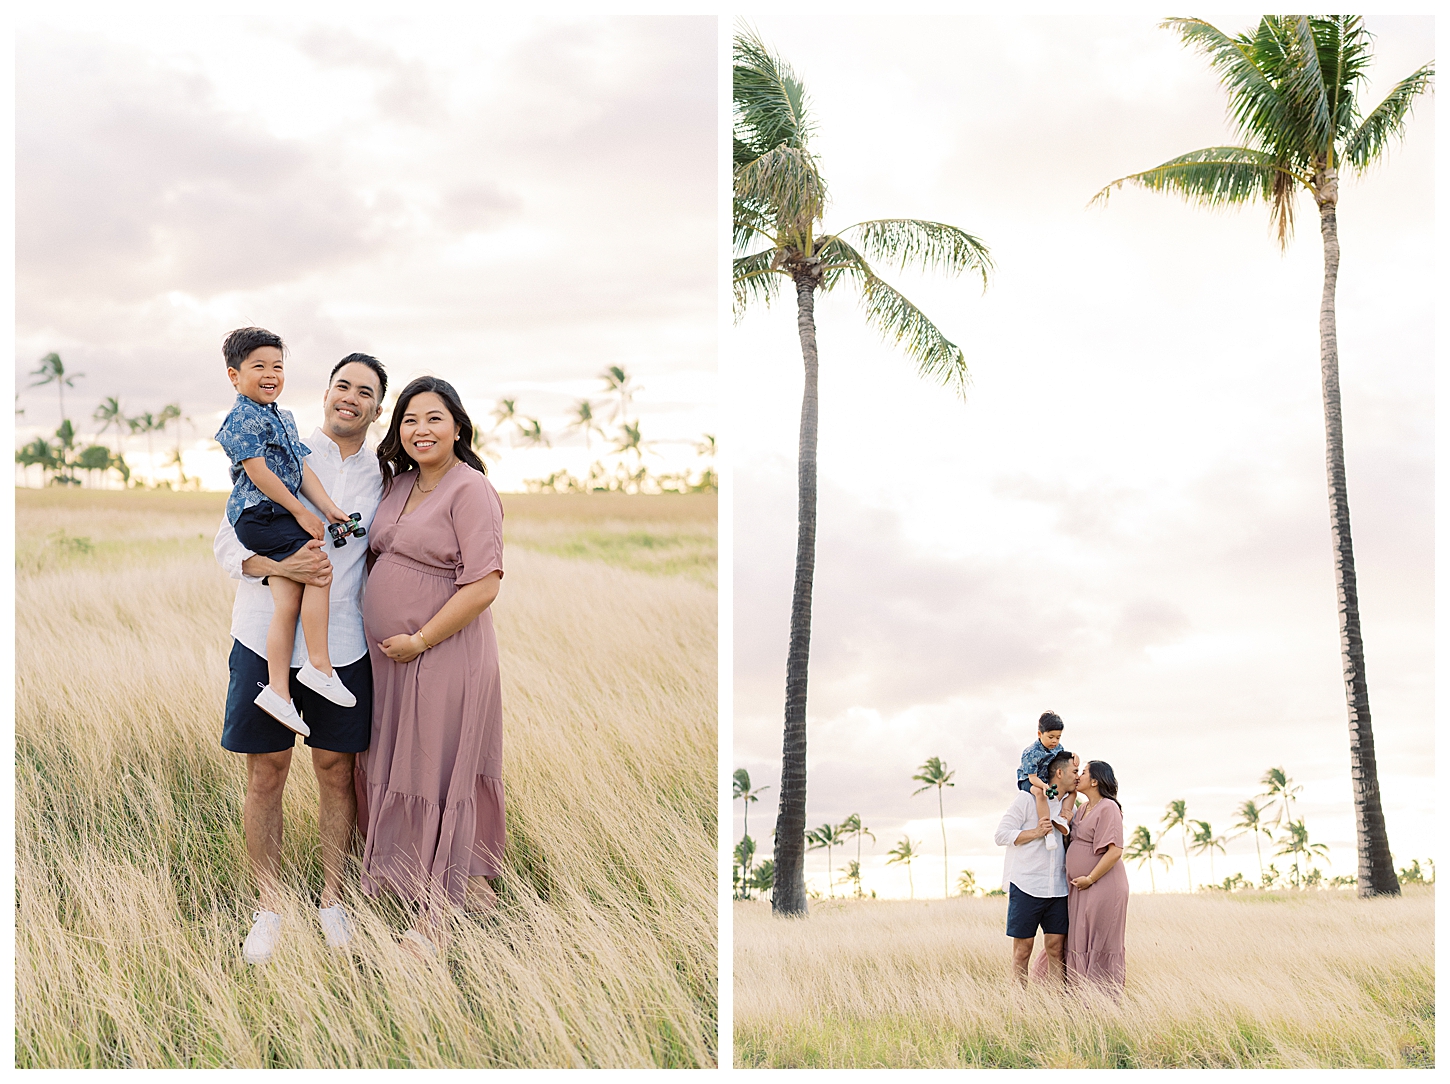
<point x="253" y="430"/>
<point x="1035" y="758"/>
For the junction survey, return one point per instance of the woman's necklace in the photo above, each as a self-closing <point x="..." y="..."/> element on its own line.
<point x="418" y="482"/>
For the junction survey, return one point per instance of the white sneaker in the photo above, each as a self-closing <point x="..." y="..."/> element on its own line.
<point x="1052" y="840"/>
<point x="281" y="710"/>
<point x="335" y="926"/>
<point x="330" y="687"/>
<point x="257" y="948"/>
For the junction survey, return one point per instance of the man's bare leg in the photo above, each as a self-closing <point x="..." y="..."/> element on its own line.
<point x="336" y="817"/>
<point x="1021" y="957"/>
<point x="1056" y="949"/>
<point x="262" y="823"/>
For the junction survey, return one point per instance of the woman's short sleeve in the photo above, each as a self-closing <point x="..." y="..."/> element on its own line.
<point x="1109" y="829"/>
<point x="478" y="521"/>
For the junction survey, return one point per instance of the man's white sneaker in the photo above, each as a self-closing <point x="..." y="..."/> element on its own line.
<point x="281" y="710"/>
<point x="258" y="947"/>
<point x="335" y="926"/>
<point x="330" y="687"/>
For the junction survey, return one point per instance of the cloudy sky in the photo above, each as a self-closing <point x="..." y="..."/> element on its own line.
<point x="1126" y="521"/>
<point x="513" y="203"/>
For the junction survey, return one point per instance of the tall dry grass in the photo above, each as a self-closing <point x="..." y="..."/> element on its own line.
<point x="133" y="887"/>
<point x="1271" y="980"/>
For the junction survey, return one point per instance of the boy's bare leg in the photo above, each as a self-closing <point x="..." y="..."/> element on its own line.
<point x="314" y="627"/>
<point x="1040" y="795"/>
<point x="262" y="822"/>
<point x="286" y="598"/>
<point x="336" y="817"/>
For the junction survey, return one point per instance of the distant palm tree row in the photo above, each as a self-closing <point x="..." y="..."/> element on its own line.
<point x="1274" y="820"/>
<point x="61" y="460"/>
<point x="629" y="473"/>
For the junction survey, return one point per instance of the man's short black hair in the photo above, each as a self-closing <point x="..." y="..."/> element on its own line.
<point x="372" y="363"/>
<point x="240" y="344"/>
<point x="1053" y="766"/>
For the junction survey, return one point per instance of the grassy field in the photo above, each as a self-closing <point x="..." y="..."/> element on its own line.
<point x="133" y="891"/>
<point x="1317" y="979"/>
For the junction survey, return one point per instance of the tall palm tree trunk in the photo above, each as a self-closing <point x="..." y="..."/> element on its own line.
<point x="789" y="897"/>
<point x="1376" y="866"/>
<point x="941" y="816"/>
<point x="1260" y="856"/>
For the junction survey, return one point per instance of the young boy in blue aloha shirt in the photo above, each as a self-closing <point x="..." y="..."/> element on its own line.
<point x="268" y="471"/>
<point x="1034" y="760"/>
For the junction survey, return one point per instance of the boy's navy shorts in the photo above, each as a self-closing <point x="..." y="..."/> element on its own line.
<point x="1026" y="912"/>
<point x="270" y="530"/>
<point x="249" y="729"/>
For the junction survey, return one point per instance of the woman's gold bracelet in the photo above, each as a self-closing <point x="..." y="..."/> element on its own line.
<point x="426" y="644"/>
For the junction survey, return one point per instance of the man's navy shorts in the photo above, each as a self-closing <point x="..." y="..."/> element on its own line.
<point x="1025" y="913"/>
<point x="270" y="530"/>
<point x="249" y="729"/>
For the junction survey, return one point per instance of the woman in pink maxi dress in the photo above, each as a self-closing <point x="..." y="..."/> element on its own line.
<point x="1097" y="895"/>
<point x="430" y="786"/>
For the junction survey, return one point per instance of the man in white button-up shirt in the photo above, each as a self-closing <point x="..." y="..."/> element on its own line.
<point x="349" y="471"/>
<point x="1036" y="874"/>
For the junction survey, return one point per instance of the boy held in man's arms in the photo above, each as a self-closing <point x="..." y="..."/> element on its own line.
<point x="1034" y="758"/>
<point x="268" y="471"/>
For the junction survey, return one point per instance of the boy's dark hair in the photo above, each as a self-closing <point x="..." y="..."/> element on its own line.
<point x="372" y="363"/>
<point x="1054" y="765"/>
<point x="1048" y="720"/>
<point x="240" y="344"/>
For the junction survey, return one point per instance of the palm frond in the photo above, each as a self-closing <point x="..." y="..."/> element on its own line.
<point x="1387" y="120"/>
<point x="932" y="246"/>
<point x="749" y="224"/>
<point x="906" y="325"/>
<point x="1344" y="56"/>
<point x="784" y="183"/>
<point x="1255" y="102"/>
<point x="768" y="100"/>
<point x="1213" y="176"/>
<point x="754" y="280"/>
<point x="1311" y="127"/>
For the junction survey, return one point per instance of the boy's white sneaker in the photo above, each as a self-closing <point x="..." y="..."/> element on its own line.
<point x="260" y="943"/>
<point x="1052" y="840"/>
<point x="281" y="710"/>
<point x="330" y="687"/>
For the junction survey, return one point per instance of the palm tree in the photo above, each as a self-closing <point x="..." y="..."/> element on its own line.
<point x="584" y="419"/>
<point x="1280" y="790"/>
<point x="110" y="416"/>
<point x="852" y="827"/>
<point x="1143" y="848"/>
<point x="531" y="433"/>
<point x="486" y="443"/>
<point x="742" y="791"/>
<point x="778" y="233"/>
<point x="621" y="385"/>
<point x="934" y="774"/>
<point x="1205" y="840"/>
<point x="629" y="441"/>
<point x="65" y="454"/>
<point x="1251" y="819"/>
<point x="171" y="412"/>
<point x="1295" y="843"/>
<point x="38" y="453"/>
<point x="905" y="851"/>
<point x="827" y="836"/>
<point x="1177" y="817"/>
<point x="763" y="879"/>
<point x="504" y="412"/>
<point x="853" y="876"/>
<point x="966" y="883"/>
<point x="52" y="371"/>
<point x="1292" y="87"/>
<point x="146" y="423"/>
<point x="744" y="852"/>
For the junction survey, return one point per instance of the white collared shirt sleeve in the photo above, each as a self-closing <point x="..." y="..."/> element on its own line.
<point x="230" y="553"/>
<point x="1011" y="826"/>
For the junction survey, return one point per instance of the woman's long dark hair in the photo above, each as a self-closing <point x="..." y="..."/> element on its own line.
<point x="1101" y="773"/>
<point x="391" y="456"/>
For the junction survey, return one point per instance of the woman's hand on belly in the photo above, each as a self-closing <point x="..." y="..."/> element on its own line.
<point x="403" y="647"/>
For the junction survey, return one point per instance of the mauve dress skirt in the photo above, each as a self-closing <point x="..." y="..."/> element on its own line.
<point x="430" y="787"/>
<point x="1097" y="918"/>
